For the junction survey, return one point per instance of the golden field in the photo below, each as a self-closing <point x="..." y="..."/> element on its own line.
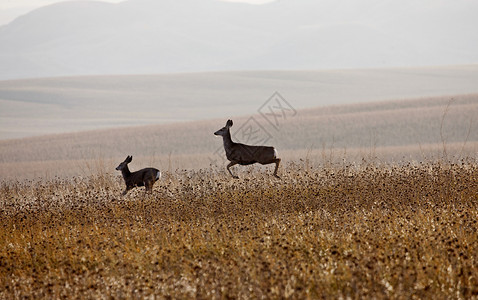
<point x="367" y="230"/>
<point x="377" y="200"/>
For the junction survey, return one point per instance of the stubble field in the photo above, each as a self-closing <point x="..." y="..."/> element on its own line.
<point x="365" y="230"/>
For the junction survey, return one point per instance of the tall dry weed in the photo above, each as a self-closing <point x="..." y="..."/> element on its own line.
<point x="362" y="231"/>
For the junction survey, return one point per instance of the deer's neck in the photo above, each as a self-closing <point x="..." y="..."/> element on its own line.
<point x="228" y="143"/>
<point x="126" y="172"/>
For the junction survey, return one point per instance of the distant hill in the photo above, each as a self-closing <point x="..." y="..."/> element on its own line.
<point x="150" y="36"/>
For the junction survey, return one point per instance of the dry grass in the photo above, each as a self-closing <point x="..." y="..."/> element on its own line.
<point x="365" y="231"/>
<point x="325" y="156"/>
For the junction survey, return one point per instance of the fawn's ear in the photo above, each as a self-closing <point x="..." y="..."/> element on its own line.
<point x="129" y="159"/>
<point x="229" y="123"/>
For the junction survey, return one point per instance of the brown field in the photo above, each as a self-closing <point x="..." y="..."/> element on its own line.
<point x="365" y="230"/>
<point x="376" y="200"/>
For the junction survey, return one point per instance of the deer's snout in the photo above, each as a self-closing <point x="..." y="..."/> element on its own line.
<point x="221" y="132"/>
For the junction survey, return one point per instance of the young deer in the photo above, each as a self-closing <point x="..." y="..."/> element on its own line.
<point x="242" y="154"/>
<point x="145" y="177"/>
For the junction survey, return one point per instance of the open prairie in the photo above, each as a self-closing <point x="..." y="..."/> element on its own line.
<point x="376" y="200"/>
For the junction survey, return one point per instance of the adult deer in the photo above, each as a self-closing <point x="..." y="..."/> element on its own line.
<point x="242" y="154"/>
<point x="145" y="177"/>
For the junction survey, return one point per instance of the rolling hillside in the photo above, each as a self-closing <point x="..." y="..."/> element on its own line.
<point x="401" y="130"/>
<point x="36" y="107"/>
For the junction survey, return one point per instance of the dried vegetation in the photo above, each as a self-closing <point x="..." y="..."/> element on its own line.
<point x="367" y="231"/>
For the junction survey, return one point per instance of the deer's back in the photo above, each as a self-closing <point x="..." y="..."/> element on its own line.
<point x="144" y="175"/>
<point x="247" y="154"/>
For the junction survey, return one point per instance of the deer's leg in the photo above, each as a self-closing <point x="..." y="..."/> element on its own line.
<point x="149" y="186"/>
<point x="277" y="161"/>
<point x="126" y="191"/>
<point x="128" y="187"/>
<point x="232" y="163"/>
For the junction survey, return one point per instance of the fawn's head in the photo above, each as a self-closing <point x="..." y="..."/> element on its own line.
<point x="125" y="163"/>
<point x="224" y="130"/>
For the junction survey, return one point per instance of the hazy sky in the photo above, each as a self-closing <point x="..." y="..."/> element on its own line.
<point x="10" y="9"/>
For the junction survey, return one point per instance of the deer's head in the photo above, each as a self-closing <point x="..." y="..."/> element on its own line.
<point x="224" y="130"/>
<point x="125" y="163"/>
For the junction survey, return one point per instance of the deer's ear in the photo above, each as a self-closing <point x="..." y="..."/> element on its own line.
<point x="229" y="123"/>
<point x="129" y="158"/>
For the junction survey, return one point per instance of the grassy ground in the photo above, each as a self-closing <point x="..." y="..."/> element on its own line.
<point x="365" y="231"/>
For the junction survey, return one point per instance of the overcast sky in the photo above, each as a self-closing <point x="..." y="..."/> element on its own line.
<point x="10" y="9"/>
